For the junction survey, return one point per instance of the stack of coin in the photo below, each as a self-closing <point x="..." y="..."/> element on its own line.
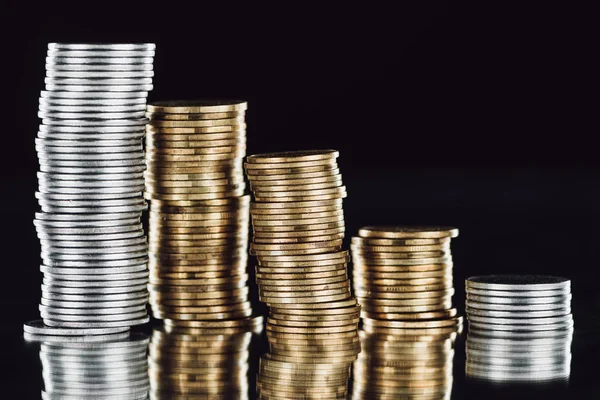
<point x="201" y="363"/>
<point x="403" y="276"/>
<point x="199" y="215"/>
<point x="298" y="224"/>
<point x="86" y="368"/>
<point x="399" y="363"/>
<point x="520" y="327"/>
<point x="91" y="182"/>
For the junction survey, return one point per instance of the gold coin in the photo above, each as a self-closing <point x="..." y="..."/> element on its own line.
<point x="287" y="169"/>
<point x="314" y="324"/>
<point x="200" y="282"/>
<point x="208" y="309"/>
<point x="192" y="175"/>
<point x="411" y="315"/>
<point x="384" y="312"/>
<point x="241" y="220"/>
<point x="160" y="184"/>
<point x="374" y="294"/>
<point x="359" y="241"/>
<point x="277" y="277"/>
<point x="206" y="163"/>
<point x="290" y="184"/>
<point x="158" y="274"/>
<point x="246" y="322"/>
<point x="292" y="206"/>
<point x="202" y="317"/>
<point x="400" y="249"/>
<point x="192" y="197"/>
<point x="301" y="193"/>
<point x="404" y="256"/>
<point x="316" y="250"/>
<point x="284" y="341"/>
<point x="276" y="190"/>
<point x="442" y="323"/>
<point x="290" y="295"/>
<point x="198" y="265"/>
<point x="400" y="284"/>
<point x="361" y="261"/>
<point x="290" y="224"/>
<point x="192" y="151"/>
<point x="313" y="331"/>
<point x="262" y="218"/>
<point x="402" y="275"/>
<point x="341" y="255"/>
<point x="156" y="236"/>
<point x="233" y="241"/>
<point x="232" y="201"/>
<point x="348" y="306"/>
<point x="186" y="116"/>
<point x="302" y="234"/>
<point x="432" y="298"/>
<point x="362" y="267"/>
<point x="198" y="216"/>
<point x="271" y="335"/>
<point x="198" y="123"/>
<point x="158" y="157"/>
<point x="257" y="168"/>
<point x="295" y="246"/>
<point x="309" y="239"/>
<point x="400" y="232"/>
<point x="340" y="195"/>
<point x="268" y="179"/>
<point x="293" y="156"/>
<point x="183" y="136"/>
<point x="159" y="143"/>
<point x="292" y="212"/>
<point x="159" y="296"/>
<point x="194" y="130"/>
<point x="304" y="288"/>
<point x="303" y="300"/>
<point x="300" y="270"/>
<point x="199" y="303"/>
<point x="197" y="106"/>
<point x="308" y="263"/>
<point x="309" y="318"/>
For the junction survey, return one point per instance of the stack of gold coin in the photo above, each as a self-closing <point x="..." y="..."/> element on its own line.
<point x="201" y="363"/>
<point x="403" y="276"/>
<point x="404" y="364"/>
<point x="199" y="215"/>
<point x="298" y="224"/>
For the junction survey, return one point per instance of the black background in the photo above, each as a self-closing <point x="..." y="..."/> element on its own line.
<point x="478" y="115"/>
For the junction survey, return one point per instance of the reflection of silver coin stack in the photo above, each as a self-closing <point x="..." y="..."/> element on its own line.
<point x="520" y="328"/>
<point x="91" y="183"/>
<point x="82" y="367"/>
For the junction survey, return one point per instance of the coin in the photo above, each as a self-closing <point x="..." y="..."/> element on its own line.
<point x="518" y="282"/>
<point x="394" y="232"/>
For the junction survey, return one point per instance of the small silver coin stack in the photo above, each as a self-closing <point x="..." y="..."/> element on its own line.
<point x="85" y="369"/>
<point x="91" y="185"/>
<point x="520" y="328"/>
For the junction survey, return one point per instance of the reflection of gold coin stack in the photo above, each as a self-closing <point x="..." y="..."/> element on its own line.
<point x="403" y="277"/>
<point x="199" y="215"/>
<point x="302" y="275"/>
<point x="404" y="363"/>
<point x="189" y="363"/>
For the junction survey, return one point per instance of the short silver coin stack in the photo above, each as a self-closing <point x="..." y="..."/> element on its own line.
<point x="520" y="328"/>
<point x="91" y="183"/>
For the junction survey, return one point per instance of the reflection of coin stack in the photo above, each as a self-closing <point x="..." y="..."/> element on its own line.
<point x="200" y="364"/>
<point x="199" y="214"/>
<point x="83" y="367"/>
<point x="520" y="328"/>
<point x="403" y="277"/>
<point x="91" y="181"/>
<point x="302" y="276"/>
<point x="399" y="363"/>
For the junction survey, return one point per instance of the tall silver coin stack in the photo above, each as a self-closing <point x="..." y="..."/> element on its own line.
<point x="520" y="328"/>
<point x="91" y="185"/>
<point x="85" y="369"/>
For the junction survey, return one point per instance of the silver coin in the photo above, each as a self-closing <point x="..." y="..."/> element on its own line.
<point x="517" y="293"/>
<point x="98" y="81"/>
<point x="99" y="88"/>
<point x="38" y="327"/>
<point x="58" y="60"/>
<point x="518" y="282"/>
<point x="99" y="53"/>
<point x="143" y="395"/>
<point x="99" y="67"/>
<point x="108" y="277"/>
<point x="100" y="154"/>
<point x="481" y="330"/>
<point x="521" y="321"/>
<point x="85" y="143"/>
<point x="99" y="74"/>
<point x="514" y="355"/>
<point x="87" y="230"/>
<point x="52" y="244"/>
<point x="109" y="163"/>
<point x="122" y="376"/>
<point x="491" y="301"/>
<point x="88" y="196"/>
<point x="96" y="181"/>
<point x="40" y="216"/>
<point x="93" y="272"/>
<point x="95" y="263"/>
<point x="93" y="284"/>
<point x="63" y="118"/>
<point x="51" y="208"/>
<point x="87" y="387"/>
<point x="134" y="393"/>
<point x="91" y="192"/>
<point x="88" y="102"/>
<point x="83" y="111"/>
<point x="518" y="314"/>
<point x="481" y="340"/>
<point x="93" y="95"/>
<point x="85" y="150"/>
<point x="90" y="171"/>
<point x="519" y="347"/>
<point x="93" y="257"/>
<point x="520" y="327"/>
<point x="547" y="363"/>
<point x="94" y="298"/>
<point x="93" y="311"/>
<point x="95" y="224"/>
<point x="108" y="324"/>
<point x="140" y="246"/>
<point x="30" y="337"/>
<point x="95" y="290"/>
<point x="133" y="340"/>
<point x="94" y="238"/>
<point x="126" y="122"/>
<point x="90" y="306"/>
<point x="518" y="375"/>
<point x="89" y="139"/>
<point x="92" y="318"/>
<point x="99" y="361"/>
<point x="102" y="46"/>
<point x="57" y="368"/>
<point x="474" y="306"/>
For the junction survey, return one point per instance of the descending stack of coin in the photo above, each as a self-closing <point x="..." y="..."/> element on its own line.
<point x="199" y="215"/>
<point x="91" y="182"/>
<point x="201" y="363"/>
<point x="403" y="276"/>
<point x="298" y="223"/>
<point x="399" y="363"/>
<point x="85" y="368"/>
<point x="520" y="327"/>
